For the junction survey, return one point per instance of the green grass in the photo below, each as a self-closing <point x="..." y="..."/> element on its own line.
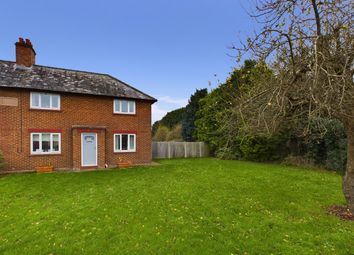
<point x="194" y="206"/>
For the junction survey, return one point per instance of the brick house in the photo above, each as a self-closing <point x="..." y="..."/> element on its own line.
<point x="69" y="119"/>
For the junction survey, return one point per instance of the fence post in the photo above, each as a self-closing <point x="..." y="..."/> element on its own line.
<point x="200" y="149"/>
<point x="185" y="149"/>
<point x="169" y="150"/>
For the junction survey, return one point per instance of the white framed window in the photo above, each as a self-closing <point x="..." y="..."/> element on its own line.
<point x="44" y="101"/>
<point x="45" y="143"/>
<point x="124" y="106"/>
<point x="124" y="142"/>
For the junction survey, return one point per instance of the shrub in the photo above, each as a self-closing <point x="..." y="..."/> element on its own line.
<point x="292" y="160"/>
<point x="264" y="148"/>
<point x="327" y="148"/>
<point x="324" y="145"/>
<point x="161" y="133"/>
<point x="165" y="134"/>
<point x="2" y="162"/>
<point x="256" y="148"/>
<point x="232" y="152"/>
<point x="175" y="134"/>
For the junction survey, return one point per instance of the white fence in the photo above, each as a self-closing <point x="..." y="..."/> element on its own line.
<point x="179" y="149"/>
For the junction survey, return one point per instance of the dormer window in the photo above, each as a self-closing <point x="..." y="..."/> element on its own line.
<point x="45" y="101"/>
<point x="124" y="106"/>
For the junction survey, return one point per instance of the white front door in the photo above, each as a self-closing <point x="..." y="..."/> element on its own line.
<point x="88" y="149"/>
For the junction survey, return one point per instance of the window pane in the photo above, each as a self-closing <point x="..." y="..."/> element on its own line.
<point x="117" y="137"/>
<point x="55" y="142"/>
<point x="131" y="106"/>
<point x="124" y="142"/>
<point x="55" y="101"/>
<point x="116" y="105"/>
<point x="35" y="99"/>
<point x="35" y="143"/>
<point x="45" y="101"/>
<point x="124" y="106"/>
<point x="45" y="142"/>
<point x="131" y="142"/>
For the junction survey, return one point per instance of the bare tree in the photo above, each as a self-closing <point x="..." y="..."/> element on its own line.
<point x="310" y="46"/>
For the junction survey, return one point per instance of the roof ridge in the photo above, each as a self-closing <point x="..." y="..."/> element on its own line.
<point x="59" y="68"/>
<point x="89" y="72"/>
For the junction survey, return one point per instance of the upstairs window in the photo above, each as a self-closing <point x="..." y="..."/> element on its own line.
<point x="45" y="143"/>
<point x="45" y="101"/>
<point x="124" y="142"/>
<point x="124" y="106"/>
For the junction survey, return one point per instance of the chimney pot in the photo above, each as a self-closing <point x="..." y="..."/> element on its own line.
<point x="28" y="42"/>
<point x="25" y="54"/>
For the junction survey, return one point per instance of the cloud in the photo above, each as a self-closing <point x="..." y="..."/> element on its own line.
<point x="166" y="104"/>
<point x="176" y="101"/>
<point x="157" y="113"/>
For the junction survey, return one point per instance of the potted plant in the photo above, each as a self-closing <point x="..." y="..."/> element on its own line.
<point x="45" y="169"/>
<point x="123" y="163"/>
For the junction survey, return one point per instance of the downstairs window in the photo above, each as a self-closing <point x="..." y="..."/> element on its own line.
<point x="124" y="142"/>
<point x="45" y="143"/>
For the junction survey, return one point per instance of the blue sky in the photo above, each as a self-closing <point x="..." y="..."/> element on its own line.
<point x="167" y="49"/>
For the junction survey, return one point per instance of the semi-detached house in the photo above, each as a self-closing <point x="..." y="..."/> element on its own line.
<point x="69" y="119"/>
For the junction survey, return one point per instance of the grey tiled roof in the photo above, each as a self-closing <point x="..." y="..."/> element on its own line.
<point x="64" y="80"/>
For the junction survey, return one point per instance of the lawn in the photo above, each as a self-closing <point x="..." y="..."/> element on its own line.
<point x="192" y="206"/>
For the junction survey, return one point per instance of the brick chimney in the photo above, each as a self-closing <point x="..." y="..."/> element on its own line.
<point x="25" y="54"/>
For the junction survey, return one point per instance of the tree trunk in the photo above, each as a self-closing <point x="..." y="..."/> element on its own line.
<point x="348" y="180"/>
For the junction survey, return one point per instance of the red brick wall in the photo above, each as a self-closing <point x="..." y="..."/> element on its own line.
<point x="84" y="110"/>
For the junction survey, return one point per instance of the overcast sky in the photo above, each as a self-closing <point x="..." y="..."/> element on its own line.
<point x="167" y="49"/>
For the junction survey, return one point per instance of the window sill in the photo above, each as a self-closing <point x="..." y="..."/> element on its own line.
<point x="47" y="110"/>
<point x="45" y="154"/>
<point x="121" y="113"/>
<point x="122" y="152"/>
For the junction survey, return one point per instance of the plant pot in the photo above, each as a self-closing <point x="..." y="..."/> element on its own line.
<point x="124" y="164"/>
<point x="44" y="169"/>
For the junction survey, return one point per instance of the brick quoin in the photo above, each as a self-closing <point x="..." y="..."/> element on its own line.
<point x="78" y="113"/>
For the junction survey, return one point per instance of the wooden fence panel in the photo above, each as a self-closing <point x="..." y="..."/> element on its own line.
<point x="179" y="149"/>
